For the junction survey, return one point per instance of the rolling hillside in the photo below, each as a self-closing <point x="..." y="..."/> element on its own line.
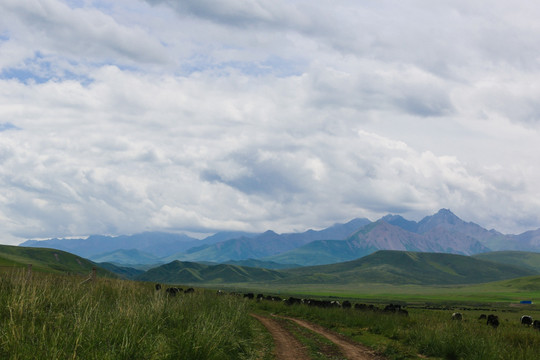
<point x="262" y="264"/>
<point x="529" y="283"/>
<point x="178" y="272"/>
<point x="401" y="267"/>
<point x="386" y="266"/>
<point x="47" y="260"/>
<point x="122" y="271"/>
<point x="523" y="259"/>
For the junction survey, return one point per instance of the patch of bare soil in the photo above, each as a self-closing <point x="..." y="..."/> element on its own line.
<point x="351" y="349"/>
<point x="287" y="347"/>
<point x="317" y="345"/>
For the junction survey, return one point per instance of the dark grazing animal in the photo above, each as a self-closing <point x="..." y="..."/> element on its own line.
<point x="249" y="295"/>
<point x="292" y="300"/>
<point x="393" y="308"/>
<point x="189" y="291"/>
<point x="173" y="291"/>
<point x="360" y="306"/>
<point x="526" y="320"/>
<point x="457" y="316"/>
<point x="482" y="317"/>
<point x="366" y="307"/>
<point x="493" y="320"/>
<point x="536" y="324"/>
<point x="346" y="304"/>
<point x="158" y="287"/>
<point x="396" y="308"/>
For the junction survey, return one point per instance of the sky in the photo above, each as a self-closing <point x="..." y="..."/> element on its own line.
<point x="124" y="116"/>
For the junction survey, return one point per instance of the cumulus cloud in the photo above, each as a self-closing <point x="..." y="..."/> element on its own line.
<point x="279" y="14"/>
<point x="246" y="115"/>
<point x="54" y="31"/>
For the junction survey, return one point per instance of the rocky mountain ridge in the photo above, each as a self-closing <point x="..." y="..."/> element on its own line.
<point x="442" y="232"/>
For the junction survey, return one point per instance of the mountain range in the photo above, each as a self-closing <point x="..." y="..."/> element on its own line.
<point x="381" y="267"/>
<point x="442" y="232"/>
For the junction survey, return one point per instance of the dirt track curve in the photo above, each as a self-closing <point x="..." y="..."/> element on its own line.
<point x="287" y="347"/>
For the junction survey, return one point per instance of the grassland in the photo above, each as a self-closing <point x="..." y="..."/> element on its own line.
<point x="527" y="260"/>
<point x="46" y="260"/>
<point x="390" y="267"/>
<point x="426" y="333"/>
<point x="59" y="317"/>
<point x="503" y="292"/>
<point x="51" y="316"/>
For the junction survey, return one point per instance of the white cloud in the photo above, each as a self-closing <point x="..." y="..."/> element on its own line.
<point x="252" y="115"/>
<point x="55" y="31"/>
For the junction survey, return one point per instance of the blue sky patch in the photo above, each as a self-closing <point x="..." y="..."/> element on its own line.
<point x="23" y="75"/>
<point x="8" y="126"/>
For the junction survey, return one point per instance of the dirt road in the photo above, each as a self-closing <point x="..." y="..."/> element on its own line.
<point x="287" y="347"/>
<point x="351" y="349"/>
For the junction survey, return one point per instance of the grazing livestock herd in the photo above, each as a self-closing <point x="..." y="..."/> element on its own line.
<point x="491" y="319"/>
<point x="391" y="308"/>
<point x="172" y="291"/>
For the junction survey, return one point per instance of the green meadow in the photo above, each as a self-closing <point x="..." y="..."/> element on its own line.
<point x="52" y="316"/>
<point x="504" y="292"/>
<point x="56" y="312"/>
<point x="427" y="333"/>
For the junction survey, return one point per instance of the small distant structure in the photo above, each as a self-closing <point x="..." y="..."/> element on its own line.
<point x="527" y="302"/>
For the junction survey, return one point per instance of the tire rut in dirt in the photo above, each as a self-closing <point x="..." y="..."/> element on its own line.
<point x="351" y="349"/>
<point x="287" y="347"/>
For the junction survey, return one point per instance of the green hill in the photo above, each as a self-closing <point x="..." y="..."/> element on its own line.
<point x="122" y="271"/>
<point x="262" y="264"/>
<point x="401" y="267"/>
<point x="178" y="272"/>
<point x="386" y="266"/>
<point x="529" y="283"/>
<point x="46" y="260"/>
<point x="529" y="260"/>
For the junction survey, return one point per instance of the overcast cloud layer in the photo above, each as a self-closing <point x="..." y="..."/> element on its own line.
<point x="124" y="116"/>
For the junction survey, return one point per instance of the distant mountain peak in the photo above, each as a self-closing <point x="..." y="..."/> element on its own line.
<point x="268" y="233"/>
<point x="353" y="222"/>
<point x="400" y="221"/>
<point x="392" y="217"/>
<point x="447" y="213"/>
<point x="444" y="217"/>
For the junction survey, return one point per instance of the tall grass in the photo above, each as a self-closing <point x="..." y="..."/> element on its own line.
<point x="428" y="332"/>
<point x="57" y="317"/>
